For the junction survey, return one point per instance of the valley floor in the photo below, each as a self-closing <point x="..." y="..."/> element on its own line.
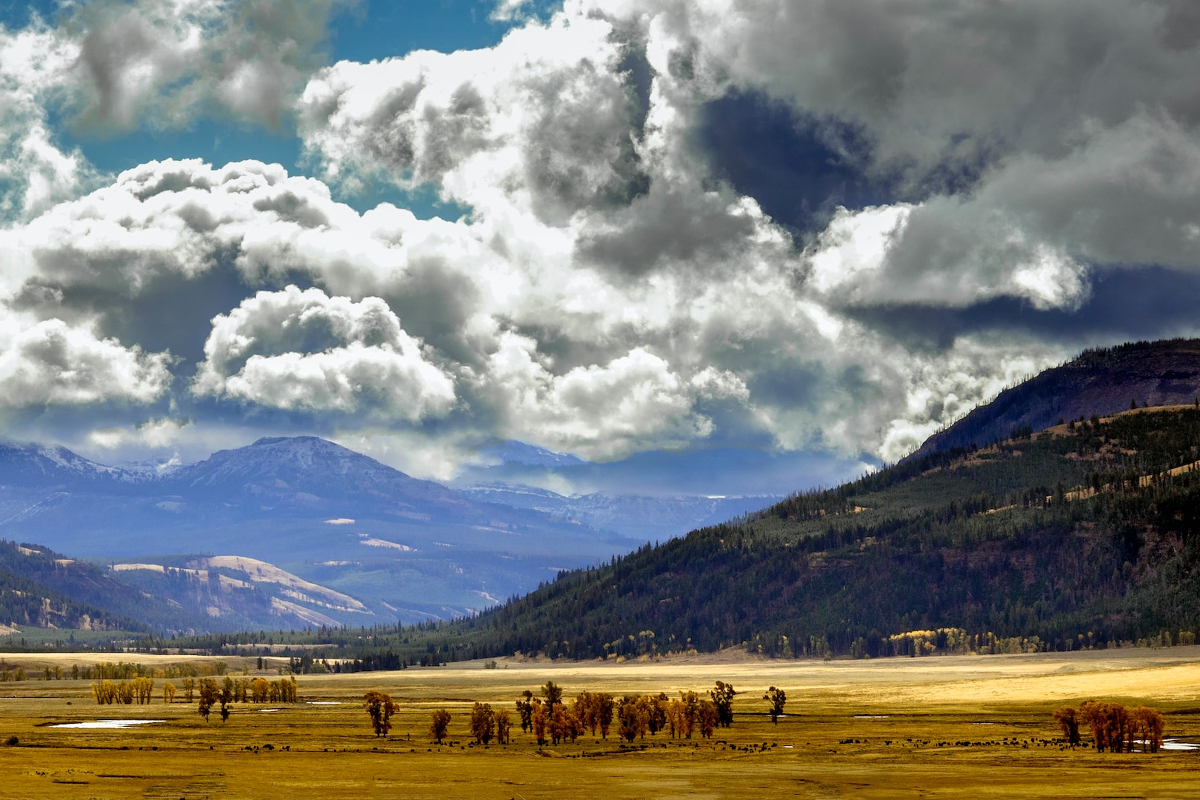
<point x="954" y="726"/>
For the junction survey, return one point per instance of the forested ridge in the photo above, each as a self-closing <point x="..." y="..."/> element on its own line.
<point x="30" y="579"/>
<point x="1080" y="536"/>
<point x="1099" y="381"/>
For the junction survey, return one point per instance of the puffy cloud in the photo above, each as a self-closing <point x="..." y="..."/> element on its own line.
<point x="602" y="410"/>
<point x="34" y="171"/>
<point x="51" y="363"/>
<point x="936" y="85"/>
<point x="112" y="66"/>
<point x="508" y="10"/>
<point x="154" y="434"/>
<point x="545" y="122"/>
<point x="162" y="61"/>
<point x="932" y="254"/>
<point x="305" y="350"/>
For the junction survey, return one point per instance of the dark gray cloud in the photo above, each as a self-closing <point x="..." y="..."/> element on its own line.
<point x="1125" y="304"/>
<point x="170" y="312"/>
<point x="160" y="63"/>
<point x="798" y="168"/>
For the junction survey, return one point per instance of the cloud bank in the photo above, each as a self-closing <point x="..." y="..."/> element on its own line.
<point x="620" y="283"/>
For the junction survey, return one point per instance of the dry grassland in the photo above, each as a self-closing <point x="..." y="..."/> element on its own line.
<point x="943" y="727"/>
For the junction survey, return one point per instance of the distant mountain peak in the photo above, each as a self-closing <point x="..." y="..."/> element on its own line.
<point x="41" y="463"/>
<point x="530" y="455"/>
<point x="269" y="441"/>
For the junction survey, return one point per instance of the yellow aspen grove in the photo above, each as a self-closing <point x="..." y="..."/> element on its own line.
<point x="675" y="718"/>
<point x="525" y="710"/>
<point x="209" y="692"/>
<point x="1150" y="728"/>
<point x="585" y="707"/>
<point x="1068" y="721"/>
<point x="632" y="717"/>
<point x="706" y="718"/>
<point x="1115" y="728"/>
<point x="687" y="716"/>
<point x="143" y="690"/>
<point x="722" y="698"/>
<point x="168" y="692"/>
<point x="605" y="705"/>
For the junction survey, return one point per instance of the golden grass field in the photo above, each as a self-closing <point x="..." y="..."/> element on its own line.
<point x="937" y="727"/>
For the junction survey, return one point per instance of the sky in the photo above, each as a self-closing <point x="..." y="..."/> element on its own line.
<point x="809" y="232"/>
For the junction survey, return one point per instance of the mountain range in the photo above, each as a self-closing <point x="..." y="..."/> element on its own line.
<point x="390" y="546"/>
<point x="408" y="548"/>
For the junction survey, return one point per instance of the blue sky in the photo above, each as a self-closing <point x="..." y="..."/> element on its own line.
<point x="811" y="234"/>
<point x="362" y="32"/>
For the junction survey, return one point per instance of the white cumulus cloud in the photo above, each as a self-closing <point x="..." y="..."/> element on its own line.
<point x="53" y="363"/>
<point x="306" y="350"/>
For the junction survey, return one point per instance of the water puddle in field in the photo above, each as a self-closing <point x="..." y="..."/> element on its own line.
<point x="872" y="716"/>
<point x="107" y="724"/>
<point x="324" y="703"/>
<point x="1174" y="744"/>
<point x="267" y="710"/>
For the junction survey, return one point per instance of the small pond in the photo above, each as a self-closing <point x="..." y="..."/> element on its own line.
<point x="107" y="724"/>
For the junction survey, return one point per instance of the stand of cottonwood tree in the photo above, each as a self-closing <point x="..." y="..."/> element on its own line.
<point x="1115" y="728"/>
<point x="137" y="690"/>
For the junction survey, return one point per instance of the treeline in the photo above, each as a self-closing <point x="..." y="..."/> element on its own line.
<point x="127" y="692"/>
<point x="207" y="692"/>
<point x="552" y="721"/>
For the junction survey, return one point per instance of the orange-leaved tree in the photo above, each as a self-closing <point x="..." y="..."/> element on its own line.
<point x="380" y="707"/>
<point x="439" y="722"/>
<point x="483" y="722"/>
<point x="1068" y="720"/>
